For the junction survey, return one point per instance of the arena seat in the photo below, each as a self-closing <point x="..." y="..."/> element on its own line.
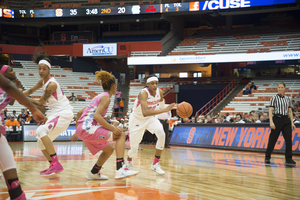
<point x="247" y="40"/>
<point x="70" y="82"/>
<point x="260" y="98"/>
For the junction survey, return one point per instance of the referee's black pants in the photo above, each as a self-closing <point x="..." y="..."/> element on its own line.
<point x="282" y="123"/>
<point x="166" y="129"/>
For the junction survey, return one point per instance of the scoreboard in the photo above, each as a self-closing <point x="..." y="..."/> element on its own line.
<point x="139" y="9"/>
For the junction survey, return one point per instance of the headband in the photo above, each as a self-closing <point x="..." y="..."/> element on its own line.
<point x="4" y="68"/>
<point x="152" y="79"/>
<point x="46" y="63"/>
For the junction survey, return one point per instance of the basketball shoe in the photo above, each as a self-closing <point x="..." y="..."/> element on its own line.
<point x="156" y="168"/>
<point x="43" y="171"/>
<point x="129" y="165"/>
<point x="125" y="172"/>
<point x="98" y="176"/>
<point x="54" y="169"/>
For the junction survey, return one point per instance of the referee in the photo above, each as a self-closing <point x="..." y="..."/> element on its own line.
<point x="282" y="120"/>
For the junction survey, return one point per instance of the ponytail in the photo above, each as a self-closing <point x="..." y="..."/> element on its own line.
<point x="106" y="78"/>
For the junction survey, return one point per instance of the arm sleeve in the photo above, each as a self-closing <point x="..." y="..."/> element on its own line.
<point x="272" y="102"/>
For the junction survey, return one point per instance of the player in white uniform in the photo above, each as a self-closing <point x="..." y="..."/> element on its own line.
<point x="61" y="112"/>
<point x="143" y="117"/>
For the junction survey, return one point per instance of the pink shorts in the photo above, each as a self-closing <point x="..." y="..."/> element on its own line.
<point x="94" y="142"/>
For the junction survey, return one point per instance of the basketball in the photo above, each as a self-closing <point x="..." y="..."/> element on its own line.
<point x="184" y="110"/>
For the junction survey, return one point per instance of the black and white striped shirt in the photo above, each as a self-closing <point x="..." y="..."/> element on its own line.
<point x="281" y="104"/>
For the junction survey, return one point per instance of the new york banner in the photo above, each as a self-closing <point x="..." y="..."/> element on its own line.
<point x="247" y="137"/>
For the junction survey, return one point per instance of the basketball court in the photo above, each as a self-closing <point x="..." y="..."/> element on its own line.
<point x="191" y="173"/>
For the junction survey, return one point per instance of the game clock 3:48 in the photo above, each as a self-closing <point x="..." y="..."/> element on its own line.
<point x="93" y="11"/>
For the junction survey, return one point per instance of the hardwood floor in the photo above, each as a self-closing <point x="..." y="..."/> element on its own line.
<point x="191" y="173"/>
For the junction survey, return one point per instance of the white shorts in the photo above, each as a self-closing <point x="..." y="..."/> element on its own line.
<point x="57" y="123"/>
<point x="7" y="161"/>
<point x="137" y="128"/>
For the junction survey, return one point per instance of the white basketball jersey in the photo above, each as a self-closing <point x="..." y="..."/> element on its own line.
<point x="153" y="102"/>
<point x="57" y="101"/>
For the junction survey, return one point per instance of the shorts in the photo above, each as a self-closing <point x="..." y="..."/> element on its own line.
<point x="137" y="128"/>
<point x="97" y="141"/>
<point x="2" y="124"/>
<point x="57" y="123"/>
<point x="7" y="161"/>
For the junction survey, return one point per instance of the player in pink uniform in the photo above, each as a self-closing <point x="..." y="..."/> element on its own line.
<point x="60" y="116"/>
<point x="95" y="132"/>
<point x="142" y="118"/>
<point x="8" y="73"/>
<point x="7" y="162"/>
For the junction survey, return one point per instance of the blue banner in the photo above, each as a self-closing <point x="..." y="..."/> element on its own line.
<point x="230" y="137"/>
<point x="29" y="133"/>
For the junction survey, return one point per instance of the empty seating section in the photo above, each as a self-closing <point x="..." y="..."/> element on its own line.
<point x="83" y="85"/>
<point x="243" y="40"/>
<point x="131" y="38"/>
<point x="260" y="98"/>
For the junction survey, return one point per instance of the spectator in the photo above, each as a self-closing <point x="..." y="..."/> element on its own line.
<point x="216" y="118"/>
<point x="121" y="124"/>
<point x="15" y="114"/>
<point x="23" y="115"/>
<point x="252" y="86"/>
<point x="20" y="120"/>
<point x="72" y="97"/>
<point x="266" y="117"/>
<point x="118" y="95"/>
<point x="254" y="118"/>
<point x="222" y="119"/>
<point x="116" y="109"/>
<point x="239" y="119"/>
<point x="295" y="120"/>
<point x="108" y="119"/>
<point x="201" y="119"/>
<point x="185" y="120"/>
<point x="8" y="117"/>
<point x="121" y="103"/>
<point x="208" y="119"/>
<point x="261" y="119"/>
<point x="193" y="119"/>
<point x="247" y="90"/>
<point x="12" y="122"/>
<point x="5" y="114"/>
<point x="227" y="117"/>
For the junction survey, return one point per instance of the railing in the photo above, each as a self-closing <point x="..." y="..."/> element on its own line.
<point x="12" y="61"/>
<point x="67" y="42"/>
<point x="218" y="98"/>
<point x="167" y="88"/>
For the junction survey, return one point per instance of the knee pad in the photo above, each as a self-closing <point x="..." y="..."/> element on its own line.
<point x="42" y="131"/>
<point x="132" y="152"/>
<point x="161" y="137"/>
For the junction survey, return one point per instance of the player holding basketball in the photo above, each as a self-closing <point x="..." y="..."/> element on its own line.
<point x="61" y="112"/>
<point x="142" y="118"/>
<point x="7" y="162"/>
<point x="95" y="131"/>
